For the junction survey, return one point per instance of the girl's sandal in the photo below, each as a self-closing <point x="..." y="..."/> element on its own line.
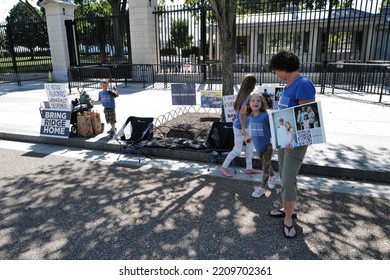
<point x="252" y="171"/>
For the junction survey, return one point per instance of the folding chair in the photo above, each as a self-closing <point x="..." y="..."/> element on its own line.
<point x="220" y="141"/>
<point x="141" y="130"/>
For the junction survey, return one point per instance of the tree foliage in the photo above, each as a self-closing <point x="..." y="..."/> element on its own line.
<point x="94" y="9"/>
<point x="2" y="39"/>
<point x="25" y="28"/>
<point x="179" y="34"/>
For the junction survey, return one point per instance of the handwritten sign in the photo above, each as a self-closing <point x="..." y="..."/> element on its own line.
<point x="57" y="96"/>
<point x="211" y="98"/>
<point x="228" y="107"/>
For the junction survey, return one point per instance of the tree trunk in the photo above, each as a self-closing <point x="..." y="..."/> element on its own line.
<point x="225" y="11"/>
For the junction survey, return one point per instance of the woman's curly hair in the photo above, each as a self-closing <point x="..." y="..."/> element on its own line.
<point x="284" y="60"/>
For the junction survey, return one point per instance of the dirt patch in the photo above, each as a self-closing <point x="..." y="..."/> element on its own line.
<point x="194" y="126"/>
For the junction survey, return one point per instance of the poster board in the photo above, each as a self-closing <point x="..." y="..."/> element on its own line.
<point x="55" y="123"/>
<point x="57" y="96"/>
<point x="297" y="126"/>
<point x="211" y="98"/>
<point x="56" y="112"/>
<point x="274" y="91"/>
<point x="228" y="107"/>
<point x="183" y="94"/>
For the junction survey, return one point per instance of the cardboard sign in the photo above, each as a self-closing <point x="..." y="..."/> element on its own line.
<point x="183" y="94"/>
<point x="297" y="126"/>
<point x="57" y="96"/>
<point x="228" y="107"/>
<point x="55" y="123"/>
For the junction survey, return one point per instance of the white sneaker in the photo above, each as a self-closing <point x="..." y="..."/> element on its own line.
<point x="271" y="182"/>
<point x="258" y="192"/>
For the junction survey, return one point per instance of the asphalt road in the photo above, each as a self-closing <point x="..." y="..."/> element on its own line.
<point x="86" y="208"/>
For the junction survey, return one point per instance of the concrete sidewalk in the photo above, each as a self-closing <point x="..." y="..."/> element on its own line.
<point x="356" y="125"/>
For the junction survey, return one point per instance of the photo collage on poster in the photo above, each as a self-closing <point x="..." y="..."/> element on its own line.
<point x="297" y="126"/>
<point x="273" y="91"/>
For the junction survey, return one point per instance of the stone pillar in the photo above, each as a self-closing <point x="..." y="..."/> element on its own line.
<point x="142" y="31"/>
<point x="57" y="11"/>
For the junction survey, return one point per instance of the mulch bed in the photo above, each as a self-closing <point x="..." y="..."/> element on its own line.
<point x="193" y="126"/>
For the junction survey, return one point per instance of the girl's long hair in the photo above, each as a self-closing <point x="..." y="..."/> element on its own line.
<point x="247" y="86"/>
<point x="264" y="104"/>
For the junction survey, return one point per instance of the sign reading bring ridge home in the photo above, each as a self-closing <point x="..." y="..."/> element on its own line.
<point x="55" y="123"/>
<point x="183" y="94"/>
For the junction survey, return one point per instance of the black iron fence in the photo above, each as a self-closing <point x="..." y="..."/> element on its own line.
<point x="319" y="32"/>
<point x="99" y="40"/>
<point x="23" y="58"/>
<point x="371" y="77"/>
<point x="360" y="77"/>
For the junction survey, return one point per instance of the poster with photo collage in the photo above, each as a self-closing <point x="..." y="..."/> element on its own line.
<point x="297" y="126"/>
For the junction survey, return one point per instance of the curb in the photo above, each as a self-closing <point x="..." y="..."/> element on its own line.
<point x="201" y="156"/>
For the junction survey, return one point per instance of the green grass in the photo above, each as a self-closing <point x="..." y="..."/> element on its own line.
<point x="26" y="64"/>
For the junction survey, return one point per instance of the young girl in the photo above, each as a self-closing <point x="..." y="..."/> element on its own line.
<point x="239" y="127"/>
<point x="261" y="138"/>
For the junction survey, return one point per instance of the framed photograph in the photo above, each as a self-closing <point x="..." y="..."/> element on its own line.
<point x="297" y="126"/>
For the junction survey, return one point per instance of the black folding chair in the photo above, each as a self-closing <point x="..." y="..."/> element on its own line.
<point x="220" y="141"/>
<point x="140" y="131"/>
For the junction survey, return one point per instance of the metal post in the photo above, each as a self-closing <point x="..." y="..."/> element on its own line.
<point x="325" y="61"/>
<point x="203" y="38"/>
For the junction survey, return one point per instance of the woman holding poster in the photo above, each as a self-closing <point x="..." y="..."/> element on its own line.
<point x="299" y="90"/>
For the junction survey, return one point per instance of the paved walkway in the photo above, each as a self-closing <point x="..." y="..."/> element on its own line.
<point x="338" y="219"/>
<point x="356" y="125"/>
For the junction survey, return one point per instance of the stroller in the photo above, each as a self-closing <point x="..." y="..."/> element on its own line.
<point x="79" y="105"/>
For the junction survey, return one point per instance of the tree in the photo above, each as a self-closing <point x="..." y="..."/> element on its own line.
<point x="119" y="7"/>
<point x="179" y="34"/>
<point x="25" y="28"/>
<point x="2" y="39"/>
<point x="94" y="9"/>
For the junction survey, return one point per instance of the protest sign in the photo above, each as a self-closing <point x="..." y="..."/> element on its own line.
<point x="183" y="94"/>
<point x="228" y="106"/>
<point x="297" y="126"/>
<point x="274" y="92"/>
<point x="57" y="96"/>
<point x="55" y="123"/>
<point x="211" y="98"/>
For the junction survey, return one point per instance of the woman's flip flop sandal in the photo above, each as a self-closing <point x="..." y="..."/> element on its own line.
<point x="289" y="228"/>
<point x="280" y="214"/>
